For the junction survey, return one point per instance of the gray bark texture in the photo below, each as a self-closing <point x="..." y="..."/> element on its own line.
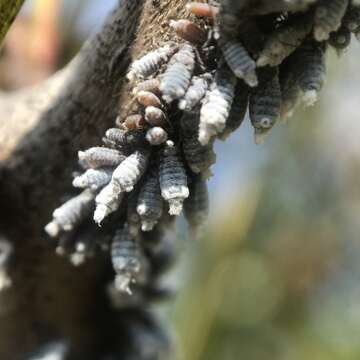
<point x="42" y="130"/>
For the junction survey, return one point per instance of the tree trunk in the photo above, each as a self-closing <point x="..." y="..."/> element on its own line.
<point x="50" y="299"/>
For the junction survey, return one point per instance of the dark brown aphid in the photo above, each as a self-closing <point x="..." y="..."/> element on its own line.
<point x="189" y="31"/>
<point x="147" y="98"/>
<point x="201" y="9"/>
<point x="135" y="122"/>
<point x="155" y="116"/>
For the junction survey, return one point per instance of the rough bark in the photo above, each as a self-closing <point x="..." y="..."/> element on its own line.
<point x="49" y="298"/>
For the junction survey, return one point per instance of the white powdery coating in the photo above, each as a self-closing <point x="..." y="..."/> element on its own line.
<point x="72" y="212"/>
<point x="216" y="107"/>
<point x="97" y="157"/>
<point x="151" y="62"/>
<point x="107" y="201"/>
<point x="310" y="97"/>
<point x="122" y="283"/>
<point x="156" y="136"/>
<point x="173" y="180"/>
<point x="177" y="76"/>
<point x="195" y="92"/>
<point x="128" y="173"/>
<point x="93" y="178"/>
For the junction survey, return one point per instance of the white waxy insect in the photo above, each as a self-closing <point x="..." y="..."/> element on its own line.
<point x="265" y="103"/>
<point x="71" y="213"/>
<point x="216" y="105"/>
<point x="328" y="16"/>
<point x="156" y="136"/>
<point x="129" y="172"/>
<point x="93" y="178"/>
<point x="150" y="85"/>
<point x="284" y="40"/>
<point x="127" y="259"/>
<point x="107" y="201"/>
<point x="96" y="157"/>
<point x="173" y="179"/>
<point x="124" y="178"/>
<point x="196" y="92"/>
<point x="155" y="116"/>
<point x="147" y="98"/>
<point x="177" y="76"/>
<point x="6" y="251"/>
<point x="238" y="110"/>
<point x="198" y="157"/>
<point x="150" y="202"/>
<point x="239" y="60"/>
<point x="196" y="206"/>
<point x="311" y="70"/>
<point x="189" y="31"/>
<point x="151" y="62"/>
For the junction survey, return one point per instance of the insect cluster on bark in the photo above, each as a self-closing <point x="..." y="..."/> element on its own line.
<point x="187" y="94"/>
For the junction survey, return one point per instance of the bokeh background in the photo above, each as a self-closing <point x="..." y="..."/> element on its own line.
<point x="276" y="274"/>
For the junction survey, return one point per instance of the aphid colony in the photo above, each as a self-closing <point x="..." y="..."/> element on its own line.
<point x="186" y="94"/>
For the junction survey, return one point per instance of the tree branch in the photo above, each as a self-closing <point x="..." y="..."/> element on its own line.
<point x="48" y="298"/>
<point x="8" y="11"/>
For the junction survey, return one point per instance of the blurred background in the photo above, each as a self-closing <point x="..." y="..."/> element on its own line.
<point x="277" y="273"/>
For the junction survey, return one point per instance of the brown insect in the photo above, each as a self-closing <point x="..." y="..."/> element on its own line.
<point x="146" y="98"/>
<point x="200" y="9"/>
<point x="189" y="31"/>
<point x="134" y="122"/>
<point x="155" y="116"/>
